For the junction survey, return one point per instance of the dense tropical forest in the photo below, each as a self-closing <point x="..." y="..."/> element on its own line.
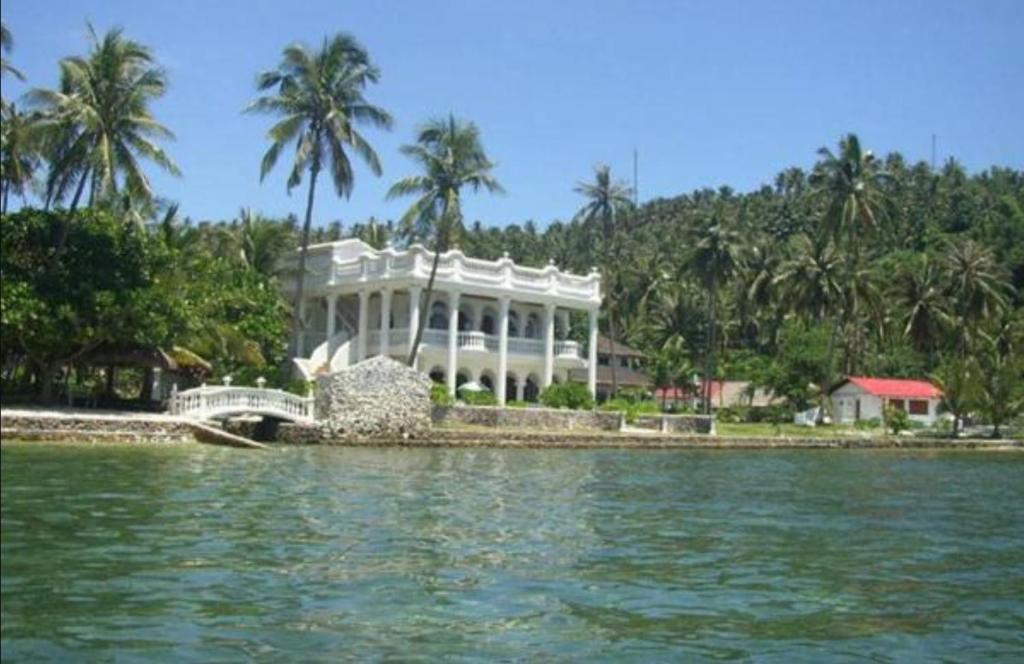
<point x="863" y="264"/>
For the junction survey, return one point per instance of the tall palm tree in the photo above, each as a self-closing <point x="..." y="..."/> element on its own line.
<point x="452" y="157"/>
<point x="714" y="259"/>
<point x="319" y="95"/>
<point x="99" y="122"/>
<point x="608" y="202"/>
<point x="811" y="279"/>
<point x="977" y="287"/>
<point x="19" y="156"/>
<point x="921" y="292"/>
<point x="852" y="187"/>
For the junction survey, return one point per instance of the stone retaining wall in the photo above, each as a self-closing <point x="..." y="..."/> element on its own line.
<point x="91" y="428"/>
<point x="674" y="423"/>
<point x="537" y="419"/>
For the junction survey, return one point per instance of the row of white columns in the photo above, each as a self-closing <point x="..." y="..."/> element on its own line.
<point x="451" y="371"/>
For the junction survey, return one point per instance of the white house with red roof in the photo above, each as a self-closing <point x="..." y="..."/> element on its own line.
<point x="862" y="398"/>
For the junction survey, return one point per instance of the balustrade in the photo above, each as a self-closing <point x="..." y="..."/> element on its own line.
<point x="211" y="402"/>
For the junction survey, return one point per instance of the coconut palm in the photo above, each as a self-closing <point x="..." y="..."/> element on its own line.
<point x="262" y="242"/>
<point x="452" y="157"/>
<point x="608" y="202"/>
<point x="851" y="185"/>
<point x="921" y="292"/>
<point x="713" y="261"/>
<point x="319" y="96"/>
<point x="976" y="286"/>
<point x="98" y="122"/>
<point x="19" y="157"/>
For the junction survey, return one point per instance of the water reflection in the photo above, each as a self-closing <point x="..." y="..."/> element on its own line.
<point x="181" y="552"/>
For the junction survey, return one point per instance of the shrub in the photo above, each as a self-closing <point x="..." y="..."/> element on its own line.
<point x="481" y="398"/>
<point x="632" y="409"/>
<point x="863" y="425"/>
<point x="732" y="414"/>
<point x="896" y="419"/>
<point x="574" y="396"/>
<point x="439" y="396"/>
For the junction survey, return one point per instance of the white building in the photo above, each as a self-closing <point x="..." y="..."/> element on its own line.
<point x="861" y="398"/>
<point x="493" y="322"/>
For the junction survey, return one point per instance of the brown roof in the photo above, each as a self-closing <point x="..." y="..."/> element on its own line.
<point x="604" y="347"/>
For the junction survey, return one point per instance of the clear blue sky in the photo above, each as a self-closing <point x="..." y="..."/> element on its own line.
<point x="710" y="93"/>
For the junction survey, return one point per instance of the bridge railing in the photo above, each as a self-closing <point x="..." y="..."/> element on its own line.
<point x="208" y="402"/>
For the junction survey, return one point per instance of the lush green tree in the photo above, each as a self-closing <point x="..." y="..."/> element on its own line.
<point x="960" y="381"/>
<point x="451" y="156"/>
<point x="320" y="98"/>
<point x="55" y="312"/>
<point x="99" y="124"/>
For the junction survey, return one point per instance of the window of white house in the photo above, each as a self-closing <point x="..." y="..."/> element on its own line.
<point x="917" y="407"/>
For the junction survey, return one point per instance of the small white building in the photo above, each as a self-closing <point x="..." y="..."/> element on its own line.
<point x="494" y="322"/>
<point x="862" y="398"/>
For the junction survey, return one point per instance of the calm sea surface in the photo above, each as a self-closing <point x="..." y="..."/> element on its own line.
<point x="175" y="553"/>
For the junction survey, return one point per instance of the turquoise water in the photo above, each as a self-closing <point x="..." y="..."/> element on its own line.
<point x="175" y="553"/>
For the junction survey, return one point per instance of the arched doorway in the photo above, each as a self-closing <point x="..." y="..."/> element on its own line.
<point x="531" y="391"/>
<point x="437" y="375"/>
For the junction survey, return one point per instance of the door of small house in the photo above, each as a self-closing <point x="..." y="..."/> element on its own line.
<point x="856" y="407"/>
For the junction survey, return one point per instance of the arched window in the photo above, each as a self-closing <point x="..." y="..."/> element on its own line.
<point x="437" y="375"/>
<point x="488" y="323"/>
<point x="487" y="381"/>
<point x="532" y="327"/>
<point x="511" y="385"/>
<point x="462" y="378"/>
<point x="439" y="316"/>
<point x="513" y="324"/>
<point x="465" y="319"/>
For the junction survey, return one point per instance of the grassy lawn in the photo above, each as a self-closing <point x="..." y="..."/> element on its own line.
<point x="766" y="430"/>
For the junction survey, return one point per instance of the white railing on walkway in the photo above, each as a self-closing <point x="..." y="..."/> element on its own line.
<point x="211" y="402"/>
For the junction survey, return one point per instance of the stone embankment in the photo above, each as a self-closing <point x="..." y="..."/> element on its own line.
<point x="94" y="427"/>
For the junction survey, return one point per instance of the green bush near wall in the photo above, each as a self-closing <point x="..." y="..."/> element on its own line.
<point x="439" y="396"/>
<point x="574" y="396"/>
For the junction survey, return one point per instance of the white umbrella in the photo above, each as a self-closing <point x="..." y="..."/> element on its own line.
<point x="471" y="386"/>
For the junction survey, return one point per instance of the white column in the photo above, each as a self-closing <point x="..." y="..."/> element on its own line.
<point x="332" y="304"/>
<point x="592" y="354"/>
<point x="453" y="340"/>
<point x="364" y="313"/>
<point x="503" y="306"/>
<point x="385" y="321"/>
<point x="549" y="343"/>
<point x="414" y="315"/>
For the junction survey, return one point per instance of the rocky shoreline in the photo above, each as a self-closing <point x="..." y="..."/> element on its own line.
<point x="62" y="426"/>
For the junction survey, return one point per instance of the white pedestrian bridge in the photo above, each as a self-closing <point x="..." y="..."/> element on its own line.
<point x="219" y="402"/>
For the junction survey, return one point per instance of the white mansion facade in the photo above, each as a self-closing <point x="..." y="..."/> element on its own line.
<point x="499" y="324"/>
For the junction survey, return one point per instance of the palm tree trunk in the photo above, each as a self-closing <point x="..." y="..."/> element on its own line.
<point x="78" y="191"/>
<point x="299" y="325"/>
<point x="709" y="363"/>
<point x="422" y="322"/>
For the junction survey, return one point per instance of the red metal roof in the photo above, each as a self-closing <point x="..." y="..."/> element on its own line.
<point x="899" y="388"/>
